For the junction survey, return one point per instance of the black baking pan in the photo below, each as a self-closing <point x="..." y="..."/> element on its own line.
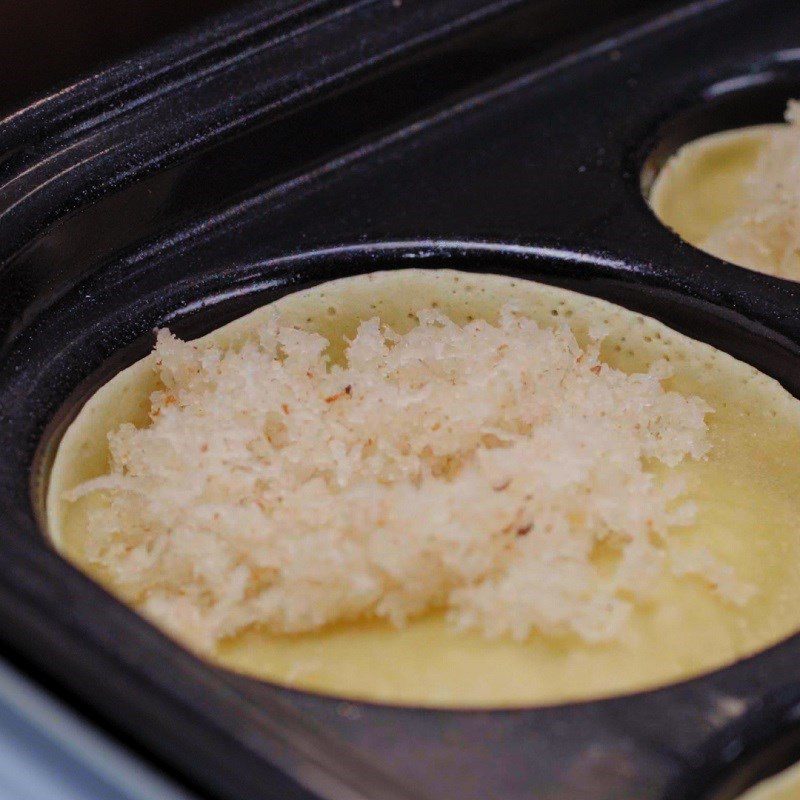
<point x="290" y="143"/>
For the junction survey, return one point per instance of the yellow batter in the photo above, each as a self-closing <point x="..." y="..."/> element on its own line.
<point x="704" y="186"/>
<point x="745" y="490"/>
<point x="701" y="185"/>
<point x="783" y="786"/>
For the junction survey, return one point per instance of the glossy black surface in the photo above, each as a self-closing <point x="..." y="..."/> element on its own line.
<point x="296" y="143"/>
<point x="49" y="43"/>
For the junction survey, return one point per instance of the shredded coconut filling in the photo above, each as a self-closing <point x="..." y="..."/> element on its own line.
<point x="765" y="233"/>
<point x="501" y="472"/>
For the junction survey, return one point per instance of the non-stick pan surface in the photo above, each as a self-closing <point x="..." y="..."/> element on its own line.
<point x="292" y="143"/>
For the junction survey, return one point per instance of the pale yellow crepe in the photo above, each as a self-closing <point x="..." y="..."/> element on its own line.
<point x="783" y="786"/>
<point x="701" y="185"/>
<point x="734" y="195"/>
<point x="746" y="491"/>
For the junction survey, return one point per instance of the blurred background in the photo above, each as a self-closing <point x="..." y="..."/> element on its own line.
<point x="45" y="44"/>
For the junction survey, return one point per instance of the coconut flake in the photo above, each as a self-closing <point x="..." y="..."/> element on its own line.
<point x="474" y="468"/>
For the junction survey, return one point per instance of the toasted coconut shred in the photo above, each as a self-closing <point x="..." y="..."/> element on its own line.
<point x="482" y="469"/>
<point x="765" y="232"/>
